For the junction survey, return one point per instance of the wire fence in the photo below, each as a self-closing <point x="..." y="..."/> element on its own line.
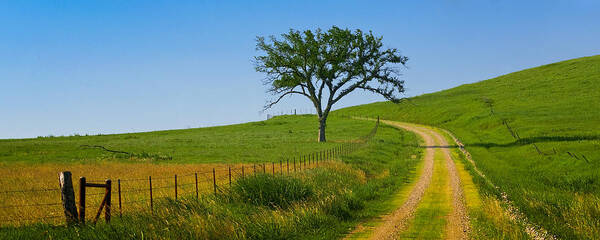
<point x="129" y="195"/>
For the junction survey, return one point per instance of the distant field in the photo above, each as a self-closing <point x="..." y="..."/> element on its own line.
<point x="34" y="164"/>
<point x="319" y="203"/>
<point x="254" y="142"/>
<point x="550" y="164"/>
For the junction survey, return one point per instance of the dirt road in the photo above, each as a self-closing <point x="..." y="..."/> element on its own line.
<point x="457" y="221"/>
<point x="398" y="220"/>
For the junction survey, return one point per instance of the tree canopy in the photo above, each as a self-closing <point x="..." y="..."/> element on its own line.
<point x="326" y="66"/>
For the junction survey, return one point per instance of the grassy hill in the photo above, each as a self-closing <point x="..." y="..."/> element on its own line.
<point x="253" y="142"/>
<point x="315" y="203"/>
<point x="535" y="133"/>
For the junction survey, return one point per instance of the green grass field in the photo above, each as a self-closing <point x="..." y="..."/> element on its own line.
<point x="533" y="133"/>
<point x="550" y="168"/>
<point x="321" y="203"/>
<point x="253" y="142"/>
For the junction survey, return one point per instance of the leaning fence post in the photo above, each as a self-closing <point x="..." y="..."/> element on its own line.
<point x="108" y="202"/>
<point x="119" y="188"/>
<point x="82" y="199"/>
<point x="67" y="196"/>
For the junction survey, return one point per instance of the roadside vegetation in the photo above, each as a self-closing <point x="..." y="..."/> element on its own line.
<point x="533" y="133"/>
<point x="319" y="203"/>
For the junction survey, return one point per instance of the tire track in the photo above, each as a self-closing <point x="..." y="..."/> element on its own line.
<point x="398" y="220"/>
<point x="458" y="222"/>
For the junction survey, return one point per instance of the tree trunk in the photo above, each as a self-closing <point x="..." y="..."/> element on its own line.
<point x="322" y="125"/>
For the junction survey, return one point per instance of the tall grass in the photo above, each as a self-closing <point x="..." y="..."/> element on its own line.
<point x="273" y="191"/>
<point x="319" y="203"/>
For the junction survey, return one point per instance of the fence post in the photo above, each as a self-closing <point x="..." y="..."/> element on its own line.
<point x="287" y="163"/>
<point x="264" y="168"/>
<point x="119" y="187"/>
<point x="214" y="181"/>
<point x="280" y="167"/>
<point x="151" y="200"/>
<point x="294" y="164"/>
<point x="229" y="176"/>
<point x="273" y="168"/>
<point x="196" y="177"/>
<point x="175" y="187"/>
<point x="67" y="195"/>
<point x="108" y="200"/>
<point x="82" y="200"/>
<point x="243" y="171"/>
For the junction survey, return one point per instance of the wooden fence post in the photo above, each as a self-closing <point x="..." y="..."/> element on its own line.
<point x="264" y="168"/>
<point x="108" y="200"/>
<point x="214" y="181"/>
<point x="287" y="163"/>
<point x="196" y="177"/>
<point x="175" y="187"/>
<point x="243" y="171"/>
<point x="82" y="199"/>
<point x="151" y="200"/>
<point x="229" y="176"/>
<point x="273" y="168"/>
<point x="280" y="167"/>
<point x="67" y="195"/>
<point x="119" y="188"/>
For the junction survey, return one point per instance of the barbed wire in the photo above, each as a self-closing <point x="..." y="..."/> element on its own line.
<point x="219" y="181"/>
<point x="31" y="190"/>
<point x="30" y="205"/>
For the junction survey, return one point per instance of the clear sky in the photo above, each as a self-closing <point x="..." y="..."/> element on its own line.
<point x="91" y="67"/>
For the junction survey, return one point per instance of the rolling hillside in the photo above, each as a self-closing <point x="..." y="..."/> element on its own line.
<point x="253" y="142"/>
<point x="534" y="133"/>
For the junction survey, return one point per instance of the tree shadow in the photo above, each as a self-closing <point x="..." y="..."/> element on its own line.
<point x="519" y="142"/>
<point x="531" y="140"/>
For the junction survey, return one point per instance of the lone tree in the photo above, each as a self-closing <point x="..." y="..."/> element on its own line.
<point x="326" y="66"/>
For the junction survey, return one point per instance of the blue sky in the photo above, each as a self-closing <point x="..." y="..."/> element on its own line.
<point x="91" y="67"/>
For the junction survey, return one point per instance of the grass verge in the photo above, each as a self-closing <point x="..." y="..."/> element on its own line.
<point x="322" y="204"/>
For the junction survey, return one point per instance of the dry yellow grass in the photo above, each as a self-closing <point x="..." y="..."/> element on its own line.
<point x="30" y="193"/>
